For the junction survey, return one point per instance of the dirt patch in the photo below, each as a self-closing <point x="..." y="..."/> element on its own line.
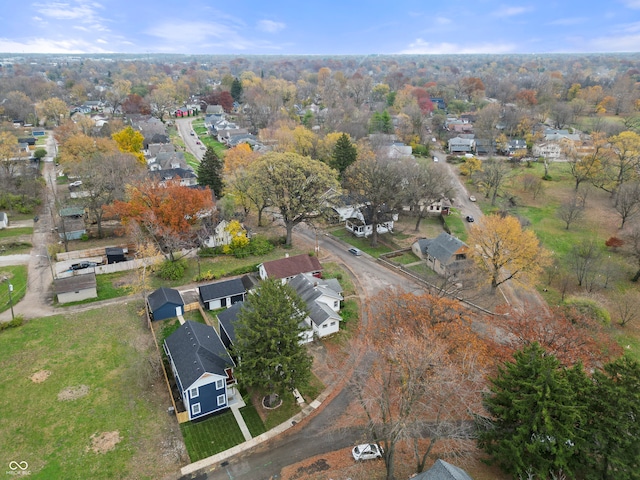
<point x="73" y="393"/>
<point x="40" y="376"/>
<point x="105" y="441"/>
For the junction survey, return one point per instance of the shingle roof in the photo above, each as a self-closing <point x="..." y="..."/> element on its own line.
<point x="442" y="470"/>
<point x="196" y="349"/>
<point x="224" y="289"/>
<point x="310" y="289"/>
<point x="162" y="296"/>
<point x="444" y="246"/>
<point x="291" y="266"/>
<point x="228" y="319"/>
<point x="75" y="283"/>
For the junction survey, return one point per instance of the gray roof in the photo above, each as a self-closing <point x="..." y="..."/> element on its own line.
<point x="320" y="312"/>
<point x="442" y="470"/>
<point x="442" y="247"/>
<point x="223" y="289"/>
<point x="162" y="296"/>
<point x="196" y="349"/>
<point x="75" y="283"/>
<point x="310" y="289"/>
<point x="228" y="319"/>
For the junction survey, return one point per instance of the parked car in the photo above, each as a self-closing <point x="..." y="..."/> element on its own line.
<point x="472" y="198"/>
<point x="470" y="219"/>
<point x="83" y="265"/>
<point x="435" y="159"/>
<point x="355" y="251"/>
<point x="367" y="451"/>
<point x="77" y="183"/>
<point x="192" y="133"/>
<point x="197" y="142"/>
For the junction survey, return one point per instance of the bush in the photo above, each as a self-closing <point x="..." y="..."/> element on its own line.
<point x="16" y="322"/>
<point x="208" y="251"/>
<point x="589" y="308"/>
<point x="205" y="276"/>
<point x="260" y="245"/>
<point x="172" y="270"/>
<point x="242" y="270"/>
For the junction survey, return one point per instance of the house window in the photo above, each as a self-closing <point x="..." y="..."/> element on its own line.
<point x="336" y="304"/>
<point x="194" y="392"/>
<point x="195" y="409"/>
<point x="324" y="325"/>
<point x="333" y="324"/>
<point x="221" y="400"/>
<point x="219" y="384"/>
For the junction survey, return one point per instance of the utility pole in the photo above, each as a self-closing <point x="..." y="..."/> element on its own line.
<point x="10" y="299"/>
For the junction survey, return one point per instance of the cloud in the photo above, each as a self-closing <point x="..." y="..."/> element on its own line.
<point x="634" y="4"/>
<point x="443" y="20"/>
<point x="46" y="45"/>
<point x="426" y="48"/>
<point x="621" y="43"/>
<point x="270" y="26"/>
<point x="82" y="11"/>
<point x="506" y="11"/>
<point x="568" y="21"/>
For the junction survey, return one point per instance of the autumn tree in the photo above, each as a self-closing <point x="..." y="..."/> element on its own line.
<point x="267" y="343"/>
<point x="631" y="238"/>
<point x="493" y="177"/>
<point x="162" y="98"/>
<point x="570" y="211"/>
<point x="295" y="185"/>
<point x="425" y="184"/>
<point x="584" y="257"/>
<point x="53" y="109"/>
<point x="627" y="201"/>
<point x="566" y="333"/>
<point x="624" y="162"/>
<point x="79" y="147"/>
<point x="168" y="213"/>
<point x="210" y="172"/>
<point x="470" y="166"/>
<point x="405" y="389"/>
<point x="504" y="251"/>
<point x="135" y="104"/>
<point x="247" y="187"/>
<point x="586" y="167"/>
<point x="118" y="93"/>
<point x="130" y="141"/>
<point x="533" y="411"/>
<point x="102" y="178"/>
<point x="238" y="158"/>
<point x="378" y="181"/>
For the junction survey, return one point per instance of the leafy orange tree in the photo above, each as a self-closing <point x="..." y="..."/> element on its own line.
<point x="169" y="213"/>
<point x="79" y="147"/>
<point x="238" y="158"/>
<point x="425" y="377"/>
<point x="504" y="251"/>
<point x="570" y="336"/>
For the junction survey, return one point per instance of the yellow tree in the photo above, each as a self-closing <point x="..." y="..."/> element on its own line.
<point x="79" y="147"/>
<point x="625" y="160"/>
<point x="238" y="158"/>
<point x="504" y="251"/>
<point x="130" y="141"/>
<point x="470" y="166"/>
<point x="53" y="109"/>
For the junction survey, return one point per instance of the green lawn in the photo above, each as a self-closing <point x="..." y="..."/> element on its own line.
<point x="17" y="277"/>
<point x="211" y="435"/>
<point x="203" y="134"/>
<point x="109" y="353"/>
<point x="363" y="244"/>
<point x="15" y="248"/>
<point x="252" y="419"/>
<point x="15" y="232"/>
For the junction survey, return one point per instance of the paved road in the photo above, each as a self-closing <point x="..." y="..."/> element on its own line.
<point x="184" y="129"/>
<point x="317" y="434"/>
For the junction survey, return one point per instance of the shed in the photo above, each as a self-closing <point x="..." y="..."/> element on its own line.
<point x="115" y="254"/>
<point x="165" y="303"/>
<point x="4" y="220"/>
<point x="225" y="293"/>
<point x="76" y="288"/>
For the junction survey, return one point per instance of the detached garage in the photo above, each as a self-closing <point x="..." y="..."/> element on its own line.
<point x="76" y="288"/>
<point x="165" y="303"/>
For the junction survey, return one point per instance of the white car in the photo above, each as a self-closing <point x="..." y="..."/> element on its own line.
<point x="472" y="198"/>
<point x="367" y="451"/>
<point x="77" y="183"/>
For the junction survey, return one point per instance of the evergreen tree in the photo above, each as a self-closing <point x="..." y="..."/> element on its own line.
<point x="614" y="422"/>
<point x="236" y="90"/>
<point x="534" y="415"/>
<point x="267" y="344"/>
<point x="344" y="153"/>
<point x="210" y="172"/>
<point x="381" y="123"/>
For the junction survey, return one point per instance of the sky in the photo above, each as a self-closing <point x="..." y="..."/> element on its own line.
<point x="330" y="27"/>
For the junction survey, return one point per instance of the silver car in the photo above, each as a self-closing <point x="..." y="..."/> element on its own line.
<point x="367" y="451"/>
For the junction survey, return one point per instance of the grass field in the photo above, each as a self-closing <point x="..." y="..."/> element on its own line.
<point x="16" y="276"/>
<point x="15" y="232"/>
<point x="98" y="373"/>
